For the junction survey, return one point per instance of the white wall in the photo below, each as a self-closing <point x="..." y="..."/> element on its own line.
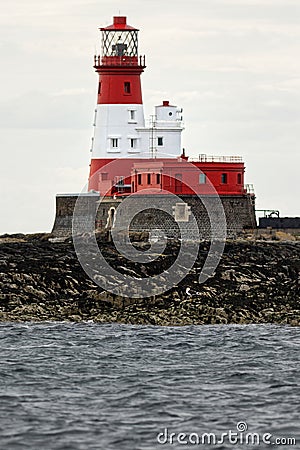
<point x="171" y="142"/>
<point x="113" y="121"/>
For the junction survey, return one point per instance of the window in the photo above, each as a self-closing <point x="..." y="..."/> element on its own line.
<point x="239" y="178"/>
<point x="132" y="143"/>
<point x="99" y="88"/>
<point x="158" y="178"/>
<point x="132" y="115"/>
<point x="127" y="87"/>
<point x="224" y="178"/>
<point x="178" y="182"/>
<point x="114" y="142"/>
<point x="202" y="178"/>
<point x="148" y="178"/>
<point x="104" y="176"/>
<point x="139" y="178"/>
<point x="160" y="141"/>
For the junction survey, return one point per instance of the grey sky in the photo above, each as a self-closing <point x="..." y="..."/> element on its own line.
<point x="233" y="65"/>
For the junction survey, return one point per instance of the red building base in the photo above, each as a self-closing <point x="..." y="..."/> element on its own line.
<point x="223" y="175"/>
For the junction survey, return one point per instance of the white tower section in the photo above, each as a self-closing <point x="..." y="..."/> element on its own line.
<point x="116" y="134"/>
<point x="120" y="132"/>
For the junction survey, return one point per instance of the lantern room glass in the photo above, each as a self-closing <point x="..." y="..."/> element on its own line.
<point x="119" y="43"/>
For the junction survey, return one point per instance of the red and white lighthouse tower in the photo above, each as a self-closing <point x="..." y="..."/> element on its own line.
<point x="119" y="109"/>
<point x="120" y="130"/>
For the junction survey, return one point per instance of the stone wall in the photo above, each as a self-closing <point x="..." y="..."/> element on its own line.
<point x="65" y="205"/>
<point x="239" y="212"/>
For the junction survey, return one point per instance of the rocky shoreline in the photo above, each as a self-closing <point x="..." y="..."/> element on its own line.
<point x="256" y="282"/>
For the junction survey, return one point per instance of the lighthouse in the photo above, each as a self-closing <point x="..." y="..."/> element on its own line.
<point x="135" y="158"/>
<point x="120" y="106"/>
<point x="120" y="130"/>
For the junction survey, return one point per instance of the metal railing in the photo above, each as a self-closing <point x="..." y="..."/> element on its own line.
<point x="119" y="61"/>
<point x="249" y="188"/>
<point x="210" y="158"/>
<point x="175" y="123"/>
<point x="268" y="213"/>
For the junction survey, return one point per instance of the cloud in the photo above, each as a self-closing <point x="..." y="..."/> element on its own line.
<point x="233" y="65"/>
<point x="72" y="92"/>
<point x="65" y="109"/>
<point x="290" y="86"/>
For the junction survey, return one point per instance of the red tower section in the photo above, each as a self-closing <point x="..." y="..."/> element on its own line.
<point x="120" y="66"/>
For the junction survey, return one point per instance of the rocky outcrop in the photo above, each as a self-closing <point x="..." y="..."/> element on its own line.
<point x="255" y="282"/>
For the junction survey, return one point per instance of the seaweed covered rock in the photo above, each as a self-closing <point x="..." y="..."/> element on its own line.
<point x="255" y="282"/>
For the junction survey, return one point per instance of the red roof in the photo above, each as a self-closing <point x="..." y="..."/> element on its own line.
<point x="119" y="24"/>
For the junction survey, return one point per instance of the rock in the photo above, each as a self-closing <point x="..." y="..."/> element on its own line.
<point x="254" y="283"/>
<point x="244" y="288"/>
<point x="228" y="275"/>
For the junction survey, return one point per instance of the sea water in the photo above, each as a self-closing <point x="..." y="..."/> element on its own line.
<point x="90" y="386"/>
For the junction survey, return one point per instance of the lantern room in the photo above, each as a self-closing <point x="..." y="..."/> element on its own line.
<point x="119" y="43"/>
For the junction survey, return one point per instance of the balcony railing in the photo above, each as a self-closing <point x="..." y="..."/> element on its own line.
<point x="157" y="124"/>
<point x="119" y="61"/>
<point x="210" y="158"/>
